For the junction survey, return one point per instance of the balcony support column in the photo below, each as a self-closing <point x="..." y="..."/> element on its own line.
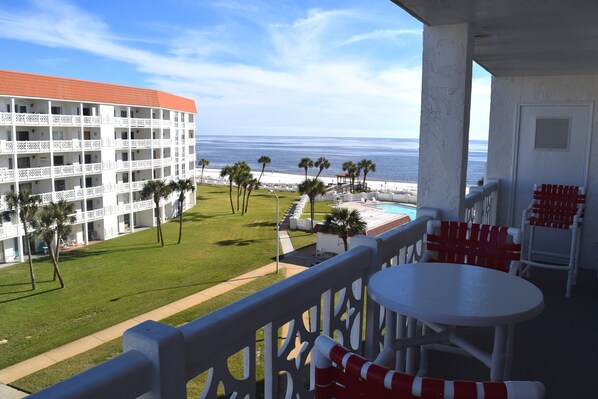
<point x="444" y="127"/>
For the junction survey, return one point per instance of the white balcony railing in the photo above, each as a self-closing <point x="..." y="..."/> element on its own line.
<point x="94" y="191"/>
<point x="330" y="296"/>
<point x="89" y="145"/>
<point x="66" y="145"/>
<point x="481" y="203"/>
<point x="122" y="165"/>
<point x="141" y="164"/>
<point x="8" y="230"/>
<point x="66" y="120"/>
<point x="138" y="185"/>
<point x="68" y="195"/>
<point x="123" y="187"/>
<point x="63" y="170"/>
<point x="6" y="119"/>
<point x="33" y="146"/>
<point x="92" y="168"/>
<point x="34" y="173"/>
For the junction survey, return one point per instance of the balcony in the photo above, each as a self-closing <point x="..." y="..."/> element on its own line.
<point x="6" y="119"/>
<point x="93" y="168"/>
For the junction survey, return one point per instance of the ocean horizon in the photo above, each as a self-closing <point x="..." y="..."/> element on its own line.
<point x="396" y="159"/>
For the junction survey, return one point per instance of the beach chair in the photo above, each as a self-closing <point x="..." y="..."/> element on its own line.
<point x="341" y="374"/>
<point x="554" y="207"/>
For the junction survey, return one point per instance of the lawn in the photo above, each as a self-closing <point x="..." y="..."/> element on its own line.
<point x="76" y="364"/>
<point x="114" y="280"/>
<point x="301" y="239"/>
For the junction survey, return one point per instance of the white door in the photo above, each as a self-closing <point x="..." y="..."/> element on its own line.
<point x="553" y="147"/>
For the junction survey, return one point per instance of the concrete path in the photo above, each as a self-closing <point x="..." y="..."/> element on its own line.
<point x="30" y="366"/>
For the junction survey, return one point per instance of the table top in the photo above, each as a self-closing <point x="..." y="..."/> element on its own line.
<point x="456" y="294"/>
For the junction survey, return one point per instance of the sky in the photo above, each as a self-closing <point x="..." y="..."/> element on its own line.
<point x="253" y="67"/>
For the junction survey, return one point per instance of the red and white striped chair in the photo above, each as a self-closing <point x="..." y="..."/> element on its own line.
<point x="555" y="207"/>
<point x="341" y="374"/>
<point x="494" y="247"/>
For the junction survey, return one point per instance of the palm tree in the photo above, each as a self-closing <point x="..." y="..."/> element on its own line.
<point x="367" y="166"/>
<point x="353" y="172"/>
<point x="25" y="205"/>
<point x="264" y="160"/>
<point x="241" y="175"/>
<point x="253" y="184"/>
<point x="306" y="163"/>
<point x="203" y="163"/>
<point x="230" y="172"/>
<point x="321" y="163"/>
<point x="312" y="188"/>
<point x="156" y="189"/>
<point x="64" y="219"/>
<point x="55" y="220"/>
<point x="182" y="186"/>
<point x="344" y="223"/>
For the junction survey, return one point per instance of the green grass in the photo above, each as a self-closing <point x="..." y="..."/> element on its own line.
<point x="76" y="364"/>
<point x="114" y="280"/>
<point x="301" y="239"/>
<point x="321" y="207"/>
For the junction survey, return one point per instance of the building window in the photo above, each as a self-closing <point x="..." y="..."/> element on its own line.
<point x="23" y="162"/>
<point x="59" y="185"/>
<point x="56" y="110"/>
<point x="123" y="114"/>
<point x="22" y="109"/>
<point x="58" y="160"/>
<point x="23" y="136"/>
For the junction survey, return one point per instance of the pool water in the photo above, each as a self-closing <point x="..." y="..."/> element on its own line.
<point x="399" y="209"/>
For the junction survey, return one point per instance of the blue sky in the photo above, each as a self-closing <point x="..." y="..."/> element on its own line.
<point x="254" y="67"/>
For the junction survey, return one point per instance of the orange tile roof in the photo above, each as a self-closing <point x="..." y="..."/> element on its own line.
<point x="39" y="86"/>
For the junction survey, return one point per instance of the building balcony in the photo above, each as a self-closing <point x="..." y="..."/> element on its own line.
<point x="135" y="144"/>
<point x="127" y="187"/>
<point x="7" y="118"/>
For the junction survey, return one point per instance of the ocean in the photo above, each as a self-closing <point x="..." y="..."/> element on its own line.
<point x="396" y="159"/>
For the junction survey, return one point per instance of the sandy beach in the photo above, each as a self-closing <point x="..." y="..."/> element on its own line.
<point x="289" y="181"/>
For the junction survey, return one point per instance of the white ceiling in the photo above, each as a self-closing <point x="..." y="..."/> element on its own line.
<point x="522" y="37"/>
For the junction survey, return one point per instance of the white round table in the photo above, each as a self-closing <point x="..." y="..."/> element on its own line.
<point x="459" y="295"/>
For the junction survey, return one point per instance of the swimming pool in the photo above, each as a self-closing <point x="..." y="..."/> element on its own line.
<point x="399" y="209"/>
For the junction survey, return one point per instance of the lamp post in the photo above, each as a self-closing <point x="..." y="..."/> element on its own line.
<point x="277" y="232"/>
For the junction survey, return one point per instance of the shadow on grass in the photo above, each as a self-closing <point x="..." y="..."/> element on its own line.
<point x="261" y="224"/>
<point x="30" y="295"/>
<point x="236" y="241"/>
<point x="174" y="287"/>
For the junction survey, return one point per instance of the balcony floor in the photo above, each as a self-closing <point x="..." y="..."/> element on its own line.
<point x="558" y="348"/>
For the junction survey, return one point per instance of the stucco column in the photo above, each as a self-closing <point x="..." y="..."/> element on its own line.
<point x="444" y="128"/>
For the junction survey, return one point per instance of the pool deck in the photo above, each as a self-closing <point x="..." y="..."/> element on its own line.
<point x="378" y="221"/>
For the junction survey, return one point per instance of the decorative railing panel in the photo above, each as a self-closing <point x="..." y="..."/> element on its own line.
<point x="91" y="168"/>
<point x="69" y="195"/>
<point x="66" y="145"/>
<point x="91" y="121"/>
<point x="481" y="203"/>
<point x="8" y="230"/>
<point x="34" y="173"/>
<point x="122" y="165"/>
<point x="92" y="144"/>
<point x="33" y="146"/>
<point x="5" y="118"/>
<point x="66" y="120"/>
<point x="94" y="191"/>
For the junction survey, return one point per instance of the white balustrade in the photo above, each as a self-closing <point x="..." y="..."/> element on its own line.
<point x="121" y="122"/>
<point x="123" y="187"/>
<point x="34" y="173"/>
<point x="8" y="230"/>
<point x="166" y="124"/>
<point x="66" y="120"/>
<point x="191" y="125"/>
<point x="95" y="214"/>
<point x="7" y="174"/>
<point x="5" y="118"/>
<point x="157" y="163"/>
<point x="33" y="146"/>
<point x="122" y="165"/>
<point x="481" y="203"/>
<point x="92" y="144"/>
<point x="141" y="164"/>
<point x="138" y="185"/>
<point x="69" y="195"/>
<point x="94" y="191"/>
<point x="91" y="121"/>
<point x="92" y="168"/>
<point x="66" y="145"/>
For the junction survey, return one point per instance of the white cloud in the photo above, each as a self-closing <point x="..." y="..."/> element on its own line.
<point x="305" y="84"/>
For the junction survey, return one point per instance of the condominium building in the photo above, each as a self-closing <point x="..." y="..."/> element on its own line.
<point x="93" y="144"/>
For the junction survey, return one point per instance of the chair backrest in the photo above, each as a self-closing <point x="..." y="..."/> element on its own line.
<point x="557" y="204"/>
<point x="341" y="374"/>
<point x="494" y="247"/>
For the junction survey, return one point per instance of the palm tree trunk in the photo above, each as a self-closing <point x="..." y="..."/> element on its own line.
<point x="201" y="178"/>
<point x="364" y="175"/>
<point x="28" y="245"/>
<point x="345" y="243"/>
<point x="157" y="212"/>
<point x="230" y="195"/>
<point x="305" y="173"/>
<point x="180" y="218"/>
<point x="238" y="195"/>
<point x="160" y="231"/>
<point x="55" y="263"/>
<point x="244" y="194"/>
<point x="318" y="175"/>
<point x="247" y="203"/>
<point x="312" y="208"/>
<point x="261" y="174"/>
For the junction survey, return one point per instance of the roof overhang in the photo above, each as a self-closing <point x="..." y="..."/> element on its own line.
<point x="522" y="37"/>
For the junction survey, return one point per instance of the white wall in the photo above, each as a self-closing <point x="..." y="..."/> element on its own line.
<point x="507" y="94"/>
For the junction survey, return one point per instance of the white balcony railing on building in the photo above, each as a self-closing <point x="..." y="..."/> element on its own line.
<point x="8" y="230"/>
<point x="66" y="120"/>
<point x="481" y="203"/>
<point x="63" y="170"/>
<point x="329" y="296"/>
<point x="138" y="185"/>
<point x="33" y="146"/>
<point x="66" y="145"/>
<point x="123" y="187"/>
<point x="7" y="175"/>
<point x="92" y="168"/>
<point x="6" y="118"/>
<point x="34" y="173"/>
<point x="68" y="195"/>
<point x="122" y="165"/>
<point x="92" y="121"/>
<point x="141" y="164"/>
<point x="94" y="191"/>
<point x="89" y="145"/>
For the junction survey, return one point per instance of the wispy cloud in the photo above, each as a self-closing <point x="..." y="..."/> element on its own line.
<point x="296" y="80"/>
